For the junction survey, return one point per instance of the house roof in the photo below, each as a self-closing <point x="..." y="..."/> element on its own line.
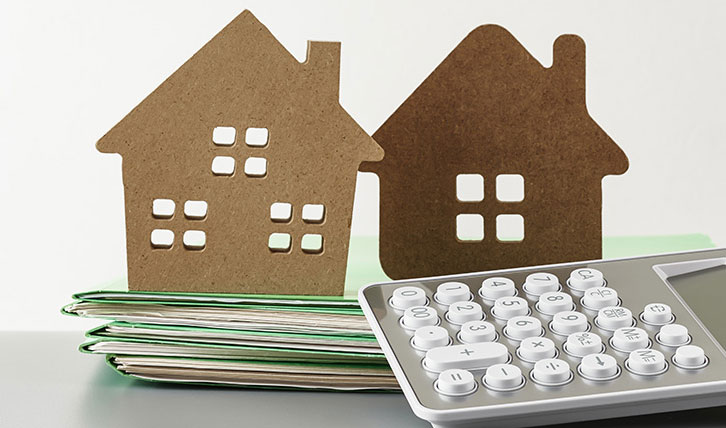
<point x="490" y="101"/>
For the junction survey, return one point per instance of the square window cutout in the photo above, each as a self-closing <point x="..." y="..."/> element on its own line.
<point x="195" y="210"/>
<point x="163" y="208"/>
<point x="510" y="187"/>
<point x="223" y="165"/>
<point x="257" y="137"/>
<point x="470" y="227"/>
<point x="279" y="242"/>
<point x="162" y="238"/>
<point x="312" y="243"/>
<point x="224" y="135"/>
<point x="194" y="239"/>
<point x="256" y="167"/>
<point x="281" y="211"/>
<point x="470" y="187"/>
<point x="510" y="227"/>
<point x="313" y="213"/>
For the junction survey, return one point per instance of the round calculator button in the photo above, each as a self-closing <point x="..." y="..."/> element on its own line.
<point x="533" y="349"/>
<point x="431" y="336"/>
<point x="552" y="302"/>
<point x="646" y="362"/>
<point x="477" y="331"/>
<point x="690" y="357"/>
<point x="584" y="343"/>
<point x="520" y="327"/>
<point x="673" y="335"/>
<point x="585" y="278"/>
<point x="598" y="367"/>
<point x="614" y="317"/>
<point x="508" y="307"/>
<point x="456" y="382"/>
<point x="627" y="339"/>
<point x="406" y="297"/>
<point x="600" y="297"/>
<point x="657" y="313"/>
<point x="450" y="292"/>
<point x="540" y="283"/>
<point x="568" y="322"/>
<point x="503" y="377"/>
<point x="494" y="288"/>
<point x="551" y="372"/>
<point x="461" y="312"/>
<point x="420" y="316"/>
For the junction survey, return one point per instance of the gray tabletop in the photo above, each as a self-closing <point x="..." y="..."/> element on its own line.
<point x="46" y="382"/>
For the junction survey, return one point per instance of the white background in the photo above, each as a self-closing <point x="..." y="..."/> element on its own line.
<point x="656" y="82"/>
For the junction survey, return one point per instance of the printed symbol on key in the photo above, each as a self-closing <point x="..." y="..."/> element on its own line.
<point x="584" y="339"/>
<point x="585" y="273"/>
<point x="467" y="352"/>
<point x="647" y="355"/>
<point x="603" y="292"/>
<point x="657" y="308"/>
<point x="599" y="361"/>
<point x="542" y="278"/>
<point x="553" y="366"/>
<point x="456" y="376"/>
<point x="615" y="313"/>
<point x="631" y="333"/>
<point x="538" y="344"/>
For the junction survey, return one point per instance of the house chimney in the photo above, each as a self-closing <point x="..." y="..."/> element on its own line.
<point x="569" y="63"/>
<point x="324" y="60"/>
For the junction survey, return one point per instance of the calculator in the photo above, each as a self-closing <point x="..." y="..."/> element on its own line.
<point x="557" y="343"/>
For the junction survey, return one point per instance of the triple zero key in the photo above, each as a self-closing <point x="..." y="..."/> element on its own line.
<point x="468" y="357"/>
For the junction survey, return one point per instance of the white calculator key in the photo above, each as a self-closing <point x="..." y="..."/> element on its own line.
<point x="599" y="366"/>
<point x="494" y="288"/>
<point x="450" y="292"/>
<point x="552" y="302"/>
<point x="657" y="313"/>
<point x="600" y="297"/>
<point x="586" y="278"/>
<point x="477" y="331"/>
<point x="630" y="338"/>
<point x="690" y="356"/>
<point x="540" y="283"/>
<point x="431" y="336"/>
<point x="420" y="316"/>
<point x="646" y="361"/>
<point x="405" y="297"/>
<point x="456" y="382"/>
<point x="469" y="356"/>
<point x="536" y="348"/>
<point x="552" y="371"/>
<point x="461" y="312"/>
<point x="568" y="322"/>
<point x="503" y="377"/>
<point x="584" y="343"/>
<point x="614" y="317"/>
<point x="508" y="307"/>
<point x="523" y="326"/>
<point x="674" y="335"/>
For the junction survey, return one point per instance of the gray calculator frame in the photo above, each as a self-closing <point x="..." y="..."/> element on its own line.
<point x="638" y="280"/>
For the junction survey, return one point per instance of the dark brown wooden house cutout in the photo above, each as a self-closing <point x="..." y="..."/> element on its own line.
<point x="239" y="170"/>
<point x="492" y="111"/>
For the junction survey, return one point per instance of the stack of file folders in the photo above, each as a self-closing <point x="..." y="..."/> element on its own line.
<point x="237" y="340"/>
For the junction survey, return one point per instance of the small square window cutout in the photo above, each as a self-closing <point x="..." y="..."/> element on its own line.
<point x="313" y="213"/>
<point x="510" y="187"/>
<point x="470" y="187"/>
<point x="257" y="137"/>
<point x="194" y="239"/>
<point x="163" y="208"/>
<point x="195" y="210"/>
<point x="223" y="165"/>
<point x="279" y="242"/>
<point x="470" y="227"/>
<point x="281" y="211"/>
<point x="224" y="135"/>
<point x="510" y="227"/>
<point x="256" y="167"/>
<point x="162" y="238"/>
<point x="312" y="243"/>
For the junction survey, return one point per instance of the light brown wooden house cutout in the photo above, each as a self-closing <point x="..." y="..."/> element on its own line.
<point x="491" y="109"/>
<point x="282" y="130"/>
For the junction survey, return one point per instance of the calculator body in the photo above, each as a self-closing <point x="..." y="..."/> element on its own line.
<point x="689" y="283"/>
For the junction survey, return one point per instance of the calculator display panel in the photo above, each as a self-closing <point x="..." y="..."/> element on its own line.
<point x="704" y="292"/>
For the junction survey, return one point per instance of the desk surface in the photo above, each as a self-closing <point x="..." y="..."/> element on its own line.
<point x="45" y="381"/>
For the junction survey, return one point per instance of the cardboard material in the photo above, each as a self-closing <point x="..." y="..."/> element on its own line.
<point x="241" y="168"/>
<point x="490" y="108"/>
